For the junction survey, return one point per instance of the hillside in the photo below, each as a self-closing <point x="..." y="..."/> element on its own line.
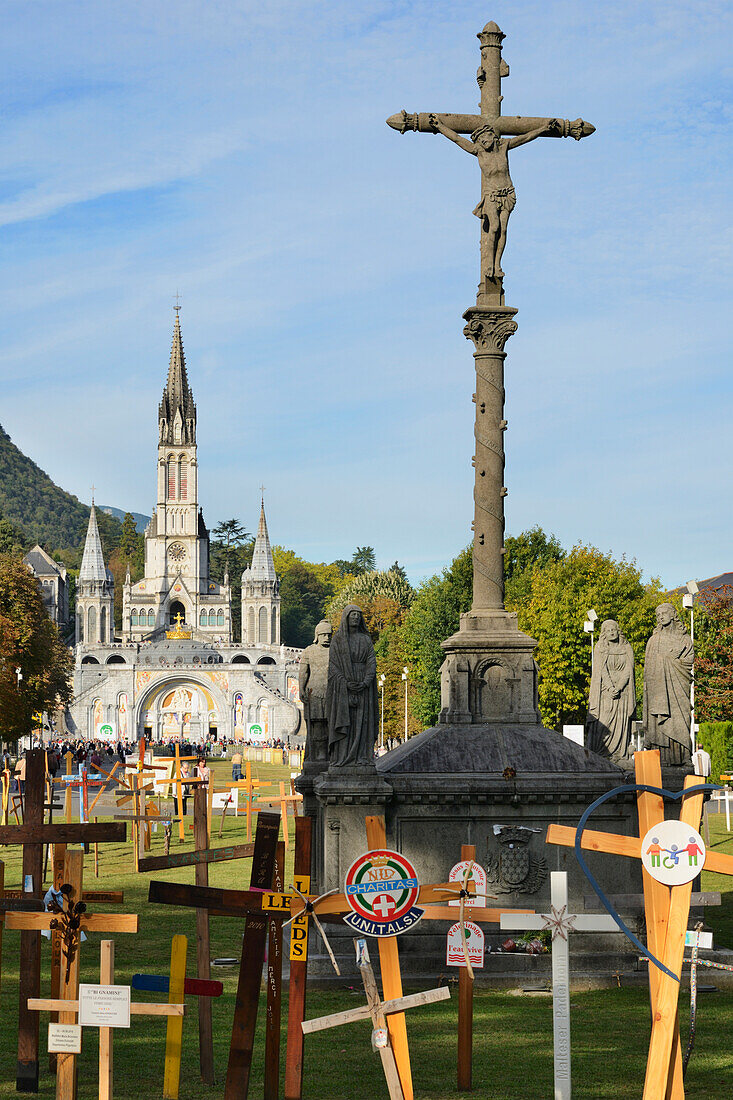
<point x="141" y="521"/>
<point x="42" y="511"/>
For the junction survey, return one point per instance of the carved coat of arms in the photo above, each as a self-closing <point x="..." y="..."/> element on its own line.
<point x="513" y="869"/>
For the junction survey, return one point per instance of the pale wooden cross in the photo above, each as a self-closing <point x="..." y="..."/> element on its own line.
<point x="667" y="914"/>
<point x="378" y="1011"/>
<point x="89" y="922"/>
<point x="560" y="922"/>
<point x="284" y="801"/>
<point x="248" y="785"/>
<point x="69" y="1007"/>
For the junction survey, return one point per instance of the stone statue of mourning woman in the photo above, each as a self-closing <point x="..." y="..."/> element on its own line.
<point x="351" y="694"/>
<point x="612" y="702"/>
<point x="667" y="678"/>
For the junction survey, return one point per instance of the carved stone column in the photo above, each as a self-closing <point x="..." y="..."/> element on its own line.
<point x="489" y="329"/>
<point x="489" y="674"/>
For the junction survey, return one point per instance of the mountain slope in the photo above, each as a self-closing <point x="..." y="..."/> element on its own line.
<point x="141" y="521"/>
<point x="45" y="513"/>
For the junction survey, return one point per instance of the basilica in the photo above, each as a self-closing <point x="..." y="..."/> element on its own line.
<point x="175" y="670"/>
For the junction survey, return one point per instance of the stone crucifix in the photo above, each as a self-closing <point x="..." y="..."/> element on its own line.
<point x="488" y="636"/>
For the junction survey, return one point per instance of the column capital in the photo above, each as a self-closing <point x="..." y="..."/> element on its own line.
<point x="490" y="328"/>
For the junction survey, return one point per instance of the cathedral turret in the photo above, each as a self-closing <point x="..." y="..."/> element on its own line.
<point x="95" y="592"/>
<point x="177" y="411"/>
<point x="261" y="592"/>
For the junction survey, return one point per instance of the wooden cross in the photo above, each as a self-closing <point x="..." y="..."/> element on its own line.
<point x="230" y="903"/>
<point x="32" y="834"/>
<point x="298" y="963"/>
<point x="481" y="915"/>
<point x="560" y="922"/>
<point x="70" y="1007"/>
<point x="89" y="922"/>
<point x="179" y="790"/>
<point x="379" y="1011"/>
<point x="248" y="784"/>
<point x="262" y="904"/>
<point x="283" y="802"/>
<point x="667" y="913"/>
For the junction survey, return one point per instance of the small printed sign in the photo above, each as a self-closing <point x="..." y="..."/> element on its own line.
<point x="64" y="1038"/>
<point x="705" y="942"/>
<point x="477" y="876"/>
<point x="106" y="731"/>
<point x="104" y="1005"/>
<point x="299" y="926"/>
<point x="474" y="943"/>
<point x="673" y="853"/>
<point x="255" y="731"/>
<point x="382" y="887"/>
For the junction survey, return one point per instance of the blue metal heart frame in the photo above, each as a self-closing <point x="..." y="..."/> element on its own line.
<point x="586" y="870"/>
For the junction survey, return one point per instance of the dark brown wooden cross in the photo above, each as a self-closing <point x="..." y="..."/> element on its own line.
<point x="33" y="834"/>
<point x="232" y="903"/>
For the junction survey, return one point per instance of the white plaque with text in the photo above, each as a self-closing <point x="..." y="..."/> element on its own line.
<point x="64" y="1039"/>
<point x="104" y="1005"/>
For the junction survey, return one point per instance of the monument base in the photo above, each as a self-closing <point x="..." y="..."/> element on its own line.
<point x="489" y="673"/>
<point x="497" y="786"/>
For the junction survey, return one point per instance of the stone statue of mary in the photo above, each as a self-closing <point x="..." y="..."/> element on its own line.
<point x="351" y="694"/>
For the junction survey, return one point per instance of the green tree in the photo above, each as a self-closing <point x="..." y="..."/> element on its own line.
<point x="12" y="539"/>
<point x="365" y="588"/>
<point x="433" y="616"/>
<point x="303" y="597"/>
<point x="524" y="553"/>
<point x="713" y="650"/>
<point x="29" y="641"/>
<point x="229" y="534"/>
<point x="363" y="560"/>
<point x="561" y="593"/>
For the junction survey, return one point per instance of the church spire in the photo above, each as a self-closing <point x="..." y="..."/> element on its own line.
<point x="92" y="562"/>
<point x="263" y="566"/>
<point x="177" y="413"/>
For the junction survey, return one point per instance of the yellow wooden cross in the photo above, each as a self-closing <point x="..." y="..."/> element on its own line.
<point x="283" y="801"/>
<point x="248" y="784"/>
<point x="667" y="914"/>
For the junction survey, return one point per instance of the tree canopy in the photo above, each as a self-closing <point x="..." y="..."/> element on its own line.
<point x="29" y="641"/>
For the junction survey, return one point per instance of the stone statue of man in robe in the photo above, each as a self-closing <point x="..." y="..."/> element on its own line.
<point x="351" y="698"/>
<point x="612" y="702"/>
<point x="313" y="682"/>
<point x="667" y="677"/>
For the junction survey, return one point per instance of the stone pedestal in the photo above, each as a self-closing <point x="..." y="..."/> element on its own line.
<point x="489" y="673"/>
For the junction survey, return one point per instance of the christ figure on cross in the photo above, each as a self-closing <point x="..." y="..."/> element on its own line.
<point x="498" y="197"/>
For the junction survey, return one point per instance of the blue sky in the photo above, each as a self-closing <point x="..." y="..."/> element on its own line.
<point x="237" y="152"/>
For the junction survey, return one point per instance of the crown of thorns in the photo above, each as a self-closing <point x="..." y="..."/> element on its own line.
<point x="483" y="130"/>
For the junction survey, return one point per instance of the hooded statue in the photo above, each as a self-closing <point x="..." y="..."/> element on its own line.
<point x="667" y="677"/>
<point x="612" y="700"/>
<point x="351" y="696"/>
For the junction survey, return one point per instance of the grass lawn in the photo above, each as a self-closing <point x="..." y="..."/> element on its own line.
<point x="512" y="1034"/>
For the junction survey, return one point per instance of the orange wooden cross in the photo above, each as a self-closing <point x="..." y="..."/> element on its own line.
<point x="667" y="914"/>
<point x="284" y="801"/>
<point x="248" y="784"/>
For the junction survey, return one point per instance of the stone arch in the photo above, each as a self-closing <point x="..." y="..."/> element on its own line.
<point x="176" y="608"/>
<point x="89" y="660"/>
<point x="491" y="689"/>
<point x="241" y="659"/>
<point x="266" y="661"/>
<point x="170" y="682"/>
<point x="103" y="625"/>
<point x="116" y="659"/>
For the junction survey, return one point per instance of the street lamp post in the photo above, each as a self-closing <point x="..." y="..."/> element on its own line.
<point x="405" y="674"/>
<point x="589" y="626"/>
<point x="688" y="600"/>
<point x="382" y="678"/>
